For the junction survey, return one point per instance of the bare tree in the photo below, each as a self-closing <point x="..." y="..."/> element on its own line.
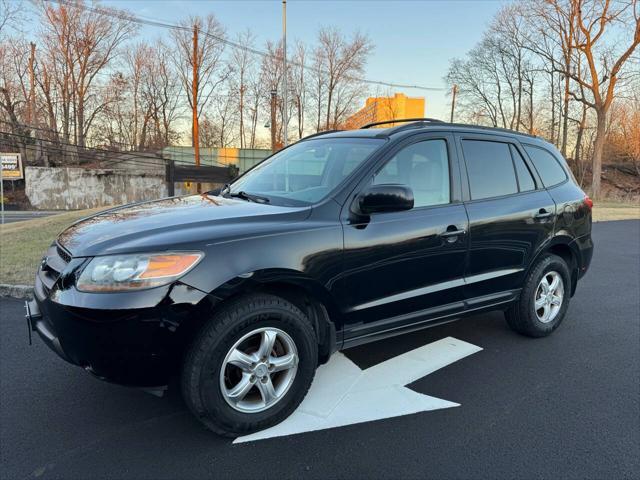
<point x="604" y="64"/>
<point x="480" y="87"/>
<point x="83" y="42"/>
<point x="583" y="31"/>
<point x="94" y="86"/>
<point x="209" y="61"/>
<point x="318" y="85"/>
<point x="506" y="34"/>
<point x="10" y="15"/>
<point x="242" y="64"/>
<point x="298" y="85"/>
<point x="271" y="72"/>
<point x="13" y="92"/>
<point x="253" y="106"/>
<point x="225" y="115"/>
<point x="344" y="60"/>
<point x="168" y="93"/>
<point x="582" y="47"/>
<point x="136" y="59"/>
<point x="209" y="133"/>
<point x="623" y="138"/>
<point x="552" y="26"/>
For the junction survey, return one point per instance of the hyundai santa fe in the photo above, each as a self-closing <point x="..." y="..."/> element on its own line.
<point x="343" y="238"/>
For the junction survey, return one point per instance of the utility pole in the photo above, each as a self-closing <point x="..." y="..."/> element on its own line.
<point x="31" y="110"/>
<point x="274" y="94"/>
<point x="32" y="86"/>
<point x="453" y="100"/>
<point x="194" y="90"/>
<point x="285" y="119"/>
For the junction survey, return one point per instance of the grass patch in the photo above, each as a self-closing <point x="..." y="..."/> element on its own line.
<point x="22" y="244"/>
<point x="605" y="211"/>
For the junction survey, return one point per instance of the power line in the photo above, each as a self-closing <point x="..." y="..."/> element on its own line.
<point x="131" y="152"/>
<point x="158" y="23"/>
<point x="139" y="158"/>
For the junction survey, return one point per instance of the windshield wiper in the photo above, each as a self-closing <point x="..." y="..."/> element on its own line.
<point x="249" y="197"/>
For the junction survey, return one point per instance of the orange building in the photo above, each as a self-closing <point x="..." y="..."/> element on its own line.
<point x="378" y="109"/>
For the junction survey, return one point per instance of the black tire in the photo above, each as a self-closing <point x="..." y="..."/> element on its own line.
<point x="522" y="316"/>
<point x="202" y="364"/>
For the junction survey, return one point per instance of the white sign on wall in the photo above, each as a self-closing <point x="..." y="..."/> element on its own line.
<point x="11" y="166"/>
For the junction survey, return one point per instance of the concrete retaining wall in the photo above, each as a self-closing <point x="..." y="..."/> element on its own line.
<point x="78" y="188"/>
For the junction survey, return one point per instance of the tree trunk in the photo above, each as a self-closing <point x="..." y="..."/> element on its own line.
<point x="80" y="121"/>
<point x="519" y="118"/>
<point x="531" y="107"/>
<point x="577" y="152"/>
<point x="242" y="142"/>
<point x="329" y="99"/>
<point x="565" y="118"/>
<point x="553" y="107"/>
<point x="598" y="149"/>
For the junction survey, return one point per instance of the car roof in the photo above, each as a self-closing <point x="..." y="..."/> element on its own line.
<point x="409" y="128"/>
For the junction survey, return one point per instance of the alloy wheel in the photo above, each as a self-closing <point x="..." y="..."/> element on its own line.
<point x="549" y="297"/>
<point x="258" y="370"/>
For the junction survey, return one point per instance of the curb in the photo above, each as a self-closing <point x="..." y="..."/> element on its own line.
<point x="16" y="291"/>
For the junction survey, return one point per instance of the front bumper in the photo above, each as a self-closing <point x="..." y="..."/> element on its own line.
<point x="134" y="339"/>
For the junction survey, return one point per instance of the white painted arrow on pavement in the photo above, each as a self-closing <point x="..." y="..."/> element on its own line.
<point x="343" y="394"/>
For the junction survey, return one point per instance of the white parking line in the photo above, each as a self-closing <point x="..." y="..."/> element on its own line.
<point x="343" y="394"/>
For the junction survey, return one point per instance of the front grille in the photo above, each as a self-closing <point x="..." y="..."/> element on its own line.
<point x="53" y="263"/>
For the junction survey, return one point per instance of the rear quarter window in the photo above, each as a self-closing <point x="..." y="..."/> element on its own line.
<point x="547" y="166"/>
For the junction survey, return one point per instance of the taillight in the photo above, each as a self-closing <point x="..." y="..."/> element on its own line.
<point x="588" y="202"/>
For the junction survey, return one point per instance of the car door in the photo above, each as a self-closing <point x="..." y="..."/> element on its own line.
<point x="511" y="216"/>
<point x="407" y="267"/>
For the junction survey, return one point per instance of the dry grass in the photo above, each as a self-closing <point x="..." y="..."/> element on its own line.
<point x="22" y="244"/>
<point x="605" y="211"/>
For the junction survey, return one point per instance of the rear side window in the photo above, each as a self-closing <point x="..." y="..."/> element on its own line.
<point x="547" y="166"/>
<point x="490" y="169"/>
<point x="525" y="180"/>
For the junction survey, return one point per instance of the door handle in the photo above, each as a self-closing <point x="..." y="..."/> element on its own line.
<point x="542" y="214"/>
<point x="452" y="232"/>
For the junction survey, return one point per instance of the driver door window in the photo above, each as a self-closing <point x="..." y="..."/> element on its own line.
<point x="423" y="166"/>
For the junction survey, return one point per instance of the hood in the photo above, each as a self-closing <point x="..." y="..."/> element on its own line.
<point x="174" y="223"/>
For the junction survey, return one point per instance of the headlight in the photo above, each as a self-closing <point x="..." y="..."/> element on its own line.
<point x="133" y="272"/>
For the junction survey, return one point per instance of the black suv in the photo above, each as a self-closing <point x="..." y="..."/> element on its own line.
<point x="343" y="238"/>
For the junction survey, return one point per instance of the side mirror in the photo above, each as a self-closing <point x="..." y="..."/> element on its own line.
<point x="384" y="198"/>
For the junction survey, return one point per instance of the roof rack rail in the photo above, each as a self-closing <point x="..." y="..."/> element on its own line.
<point x="418" y="124"/>
<point x="494" y="129"/>
<point x="401" y="120"/>
<point x="317" y="134"/>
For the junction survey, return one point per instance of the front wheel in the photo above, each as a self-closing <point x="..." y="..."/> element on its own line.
<point x="544" y="298"/>
<point x="250" y="366"/>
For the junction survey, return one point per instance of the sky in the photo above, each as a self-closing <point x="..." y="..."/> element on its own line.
<point x="414" y="40"/>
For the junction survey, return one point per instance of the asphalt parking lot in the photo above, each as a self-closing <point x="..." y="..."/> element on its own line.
<point x="564" y="406"/>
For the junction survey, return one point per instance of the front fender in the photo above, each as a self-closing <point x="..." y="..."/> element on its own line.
<point x="310" y="256"/>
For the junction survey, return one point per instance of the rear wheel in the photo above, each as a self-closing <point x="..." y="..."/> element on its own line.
<point x="250" y="366"/>
<point x="544" y="298"/>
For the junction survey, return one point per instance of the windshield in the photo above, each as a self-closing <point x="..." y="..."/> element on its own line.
<point x="306" y="172"/>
